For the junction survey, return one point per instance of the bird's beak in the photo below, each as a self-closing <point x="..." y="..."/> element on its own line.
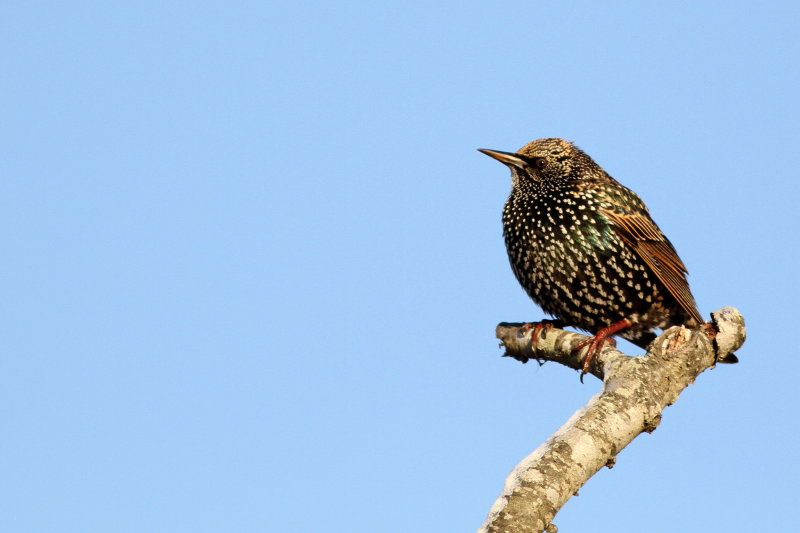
<point x="507" y="158"/>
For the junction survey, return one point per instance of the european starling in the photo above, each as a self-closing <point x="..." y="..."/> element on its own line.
<point x="585" y="249"/>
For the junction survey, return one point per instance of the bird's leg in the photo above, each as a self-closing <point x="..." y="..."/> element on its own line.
<point x="541" y="328"/>
<point x="600" y="338"/>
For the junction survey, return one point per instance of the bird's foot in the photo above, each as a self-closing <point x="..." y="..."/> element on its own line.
<point x="597" y="342"/>
<point x="541" y="329"/>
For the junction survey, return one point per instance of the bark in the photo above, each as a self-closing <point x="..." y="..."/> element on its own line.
<point x="635" y="392"/>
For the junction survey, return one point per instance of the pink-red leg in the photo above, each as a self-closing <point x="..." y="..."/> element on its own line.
<point x="542" y="329"/>
<point x="600" y="338"/>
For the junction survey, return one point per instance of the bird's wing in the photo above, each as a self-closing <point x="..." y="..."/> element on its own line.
<point x="639" y="232"/>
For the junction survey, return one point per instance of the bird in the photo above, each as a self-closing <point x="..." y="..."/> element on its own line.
<point x="586" y="250"/>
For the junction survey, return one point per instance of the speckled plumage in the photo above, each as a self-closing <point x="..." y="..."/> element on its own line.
<point x="584" y="247"/>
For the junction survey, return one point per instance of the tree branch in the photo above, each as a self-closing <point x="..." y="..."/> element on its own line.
<point x="635" y="392"/>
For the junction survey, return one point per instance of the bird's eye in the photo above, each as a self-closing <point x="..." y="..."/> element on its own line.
<point x="540" y="163"/>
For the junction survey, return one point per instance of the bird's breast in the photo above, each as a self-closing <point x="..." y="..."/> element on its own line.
<point x="567" y="257"/>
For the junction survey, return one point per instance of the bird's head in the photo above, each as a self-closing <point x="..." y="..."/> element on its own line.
<point x="545" y="160"/>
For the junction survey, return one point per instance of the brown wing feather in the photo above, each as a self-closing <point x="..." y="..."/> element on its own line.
<point x="644" y="237"/>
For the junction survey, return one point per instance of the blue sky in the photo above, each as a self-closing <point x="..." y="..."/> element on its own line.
<point x="253" y="262"/>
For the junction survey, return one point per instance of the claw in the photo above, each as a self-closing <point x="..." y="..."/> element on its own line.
<point x="597" y="342"/>
<point x="541" y="329"/>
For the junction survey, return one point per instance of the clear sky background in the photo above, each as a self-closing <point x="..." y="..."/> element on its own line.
<point x="253" y="262"/>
